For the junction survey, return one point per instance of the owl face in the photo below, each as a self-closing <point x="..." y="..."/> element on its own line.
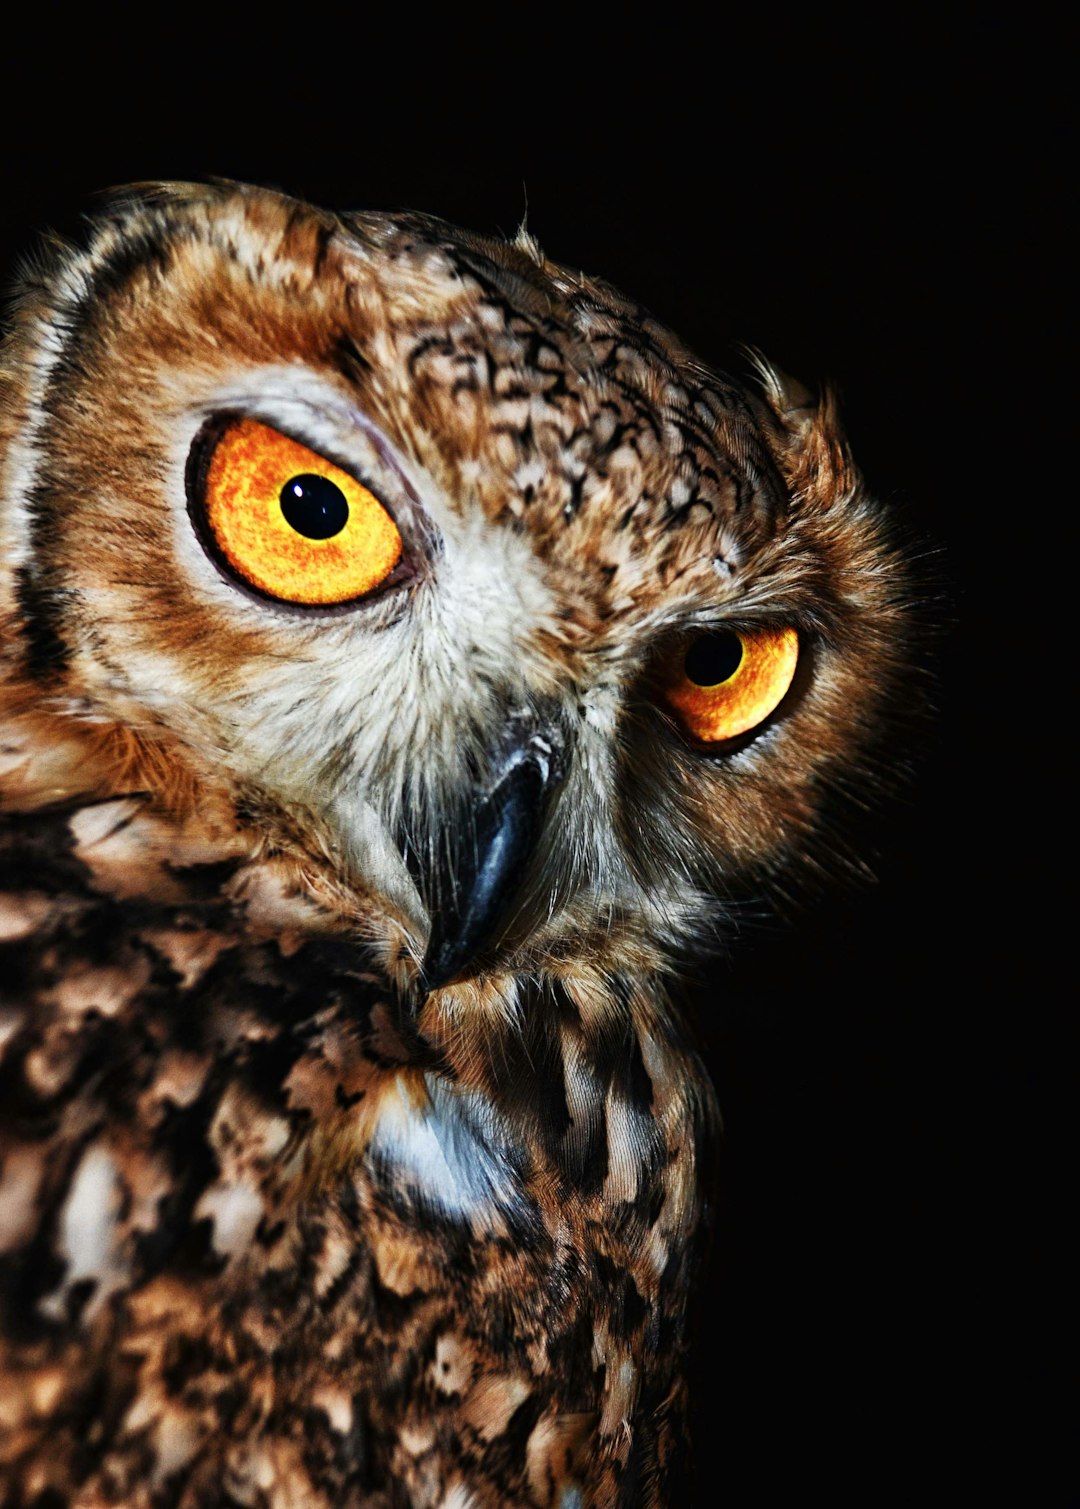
<point x="545" y="633"/>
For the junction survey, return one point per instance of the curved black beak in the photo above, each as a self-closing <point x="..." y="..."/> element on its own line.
<point x="478" y="882"/>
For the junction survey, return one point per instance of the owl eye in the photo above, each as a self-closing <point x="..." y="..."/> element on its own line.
<point x="288" y="522"/>
<point x="724" y="683"/>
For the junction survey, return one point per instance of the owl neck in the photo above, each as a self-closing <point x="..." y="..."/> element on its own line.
<point x="591" y="1075"/>
<point x="503" y="1033"/>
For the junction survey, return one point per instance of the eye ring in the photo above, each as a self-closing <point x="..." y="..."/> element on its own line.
<point x="323" y="568"/>
<point x="722" y="684"/>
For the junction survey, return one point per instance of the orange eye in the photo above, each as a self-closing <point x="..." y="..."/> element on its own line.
<point x="292" y="524"/>
<point x="725" y="683"/>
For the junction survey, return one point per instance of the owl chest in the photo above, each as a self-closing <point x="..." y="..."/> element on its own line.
<point x="498" y="1294"/>
<point x="466" y="1291"/>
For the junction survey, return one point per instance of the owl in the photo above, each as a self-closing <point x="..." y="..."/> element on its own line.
<point x="410" y="655"/>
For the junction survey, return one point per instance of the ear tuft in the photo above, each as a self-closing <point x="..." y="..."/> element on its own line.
<point x="807" y="439"/>
<point x="526" y="242"/>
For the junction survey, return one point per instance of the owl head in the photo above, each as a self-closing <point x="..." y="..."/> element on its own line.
<point x="450" y="568"/>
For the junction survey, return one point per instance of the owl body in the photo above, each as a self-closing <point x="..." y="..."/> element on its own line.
<point x="353" y="1149"/>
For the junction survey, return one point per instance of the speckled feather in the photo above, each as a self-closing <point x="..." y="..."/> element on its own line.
<point x="277" y="1226"/>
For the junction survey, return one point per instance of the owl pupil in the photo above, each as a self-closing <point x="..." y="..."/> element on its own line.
<point x="713" y="658"/>
<point x="314" y="506"/>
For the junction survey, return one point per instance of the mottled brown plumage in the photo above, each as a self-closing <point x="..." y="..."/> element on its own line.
<point x="283" y="1219"/>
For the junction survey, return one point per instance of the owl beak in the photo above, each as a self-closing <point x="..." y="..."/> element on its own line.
<point x="478" y="883"/>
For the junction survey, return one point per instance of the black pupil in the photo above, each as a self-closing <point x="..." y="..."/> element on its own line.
<point x="314" y="506"/>
<point x="713" y="658"/>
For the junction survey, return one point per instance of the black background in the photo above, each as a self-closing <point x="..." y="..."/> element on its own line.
<point x="859" y="206"/>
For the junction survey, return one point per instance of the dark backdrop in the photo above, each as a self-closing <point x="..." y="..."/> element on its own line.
<point x="849" y="205"/>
